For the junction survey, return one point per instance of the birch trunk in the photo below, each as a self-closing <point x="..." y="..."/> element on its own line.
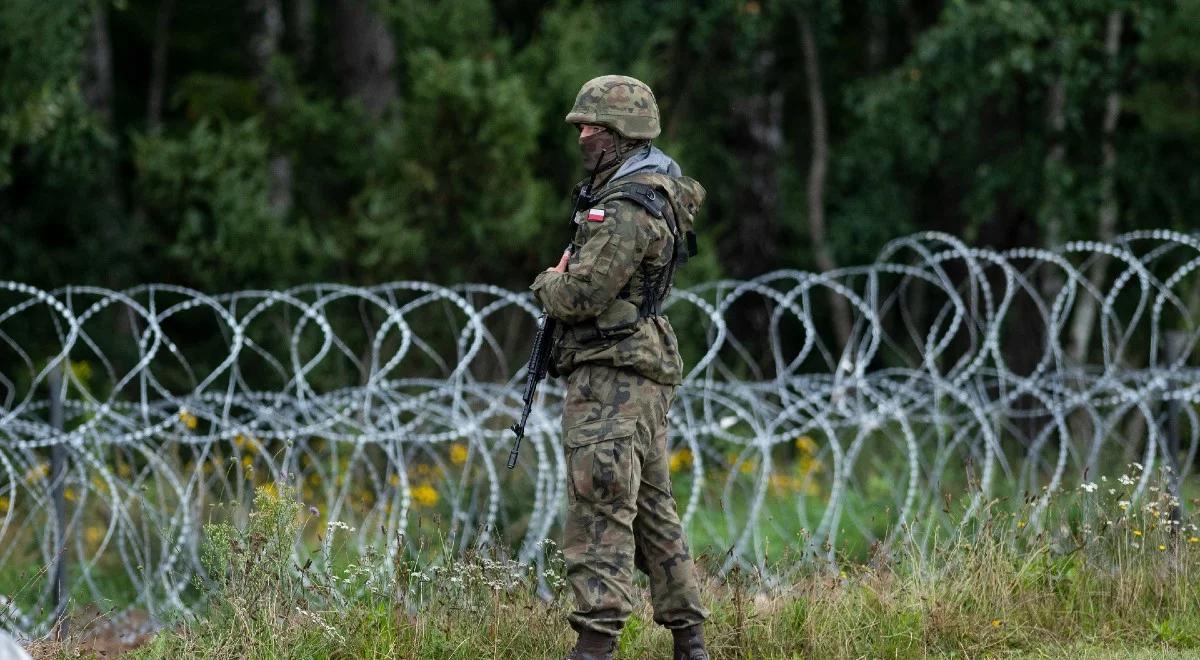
<point x="264" y="47"/>
<point x="1085" y="309"/>
<point x="366" y="56"/>
<point x="818" y="168"/>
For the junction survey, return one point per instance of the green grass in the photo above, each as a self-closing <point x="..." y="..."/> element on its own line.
<point x="1083" y="589"/>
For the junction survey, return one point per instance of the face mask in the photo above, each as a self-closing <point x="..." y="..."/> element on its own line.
<point x="593" y="145"/>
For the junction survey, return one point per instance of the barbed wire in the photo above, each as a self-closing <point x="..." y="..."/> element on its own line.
<point x="986" y="372"/>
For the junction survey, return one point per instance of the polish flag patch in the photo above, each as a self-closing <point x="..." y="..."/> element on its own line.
<point x="595" y="215"/>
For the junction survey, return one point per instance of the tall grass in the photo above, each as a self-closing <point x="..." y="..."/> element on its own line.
<point x="1103" y="578"/>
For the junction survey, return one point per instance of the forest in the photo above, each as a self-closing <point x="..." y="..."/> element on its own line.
<point x="230" y="144"/>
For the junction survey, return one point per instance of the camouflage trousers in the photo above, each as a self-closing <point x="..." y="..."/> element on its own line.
<point x="621" y="512"/>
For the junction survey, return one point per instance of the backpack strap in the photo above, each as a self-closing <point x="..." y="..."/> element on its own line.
<point x="655" y="285"/>
<point x="654" y="201"/>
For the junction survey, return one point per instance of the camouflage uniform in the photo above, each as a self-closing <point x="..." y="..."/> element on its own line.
<point x="622" y="366"/>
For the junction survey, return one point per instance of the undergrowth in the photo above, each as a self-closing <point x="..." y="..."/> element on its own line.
<point x="1103" y="578"/>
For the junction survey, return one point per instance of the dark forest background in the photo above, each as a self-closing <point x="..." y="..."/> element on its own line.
<point x="227" y="144"/>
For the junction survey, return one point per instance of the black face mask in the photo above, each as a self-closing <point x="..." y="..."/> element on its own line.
<point x="597" y="144"/>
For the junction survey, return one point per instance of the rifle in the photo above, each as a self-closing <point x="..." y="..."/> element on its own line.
<point x="543" y="341"/>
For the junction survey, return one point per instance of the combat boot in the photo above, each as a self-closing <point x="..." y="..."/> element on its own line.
<point x="593" y="646"/>
<point x="689" y="643"/>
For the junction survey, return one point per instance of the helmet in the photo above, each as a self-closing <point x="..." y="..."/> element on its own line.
<point x="623" y="104"/>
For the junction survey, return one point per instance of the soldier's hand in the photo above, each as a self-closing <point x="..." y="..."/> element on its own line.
<point x="562" y="263"/>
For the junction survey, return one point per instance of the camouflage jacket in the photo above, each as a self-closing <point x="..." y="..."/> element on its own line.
<point x="620" y="244"/>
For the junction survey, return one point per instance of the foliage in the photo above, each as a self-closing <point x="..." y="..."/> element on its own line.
<point x="1005" y="122"/>
<point x="1113" y="581"/>
<point x="206" y="195"/>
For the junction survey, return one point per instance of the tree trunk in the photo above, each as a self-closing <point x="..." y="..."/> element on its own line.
<point x="158" y="64"/>
<point x="1085" y="310"/>
<point x="1052" y="237"/>
<point x="98" y="65"/>
<point x="302" y="19"/>
<point x="912" y="23"/>
<point x="109" y="228"/>
<point x="817" y="170"/>
<point x="757" y="139"/>
<point x="264" y="46"/>
<point x="365" y="55"/>
<point x="877" y="34"/>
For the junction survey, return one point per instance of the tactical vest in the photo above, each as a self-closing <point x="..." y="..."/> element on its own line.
<point x="654" y="284"/>
<point x="649" y="286"/>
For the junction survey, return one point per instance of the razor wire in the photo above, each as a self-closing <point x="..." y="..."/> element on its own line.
<point x="386" y="407"/>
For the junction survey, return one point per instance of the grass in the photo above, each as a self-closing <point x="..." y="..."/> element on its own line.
<point x="1107" y="579"/>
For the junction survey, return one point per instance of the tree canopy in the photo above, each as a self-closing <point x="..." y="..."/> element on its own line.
<point x="255" y="143"/>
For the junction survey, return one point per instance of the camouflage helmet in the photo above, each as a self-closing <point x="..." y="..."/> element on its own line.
<point x="623" y="104"/>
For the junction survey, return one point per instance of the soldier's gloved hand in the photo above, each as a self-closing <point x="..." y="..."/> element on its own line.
<point x="562" y="263"/>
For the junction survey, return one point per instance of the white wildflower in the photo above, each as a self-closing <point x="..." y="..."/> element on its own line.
<point x="1089" y="487"/>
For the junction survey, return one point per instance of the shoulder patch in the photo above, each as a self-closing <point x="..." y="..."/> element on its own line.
<point x="595" y="215"/>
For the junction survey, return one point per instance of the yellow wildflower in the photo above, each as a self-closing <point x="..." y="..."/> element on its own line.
<point x="1020" y="524"/>
<point x="38" y="473"/>
<point x="189" y="420"/>
<point x="82" y="370"/>
<point x="809" y="465"/>
<point x="782" y="483"/>
<point x="247" y="461"/>
<point x="425" y="495"/>
<point x="458" y="453"/>
<point x="1137" y="532"/>
<point x="1161" y="547"/>
<point x="681" y="459"/>
<point x="69" y="494"/>
<point x="806" y="444"/>
<point x="996" y="623"/>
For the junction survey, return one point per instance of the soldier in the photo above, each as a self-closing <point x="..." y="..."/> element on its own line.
<point x="621" y="362"/>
